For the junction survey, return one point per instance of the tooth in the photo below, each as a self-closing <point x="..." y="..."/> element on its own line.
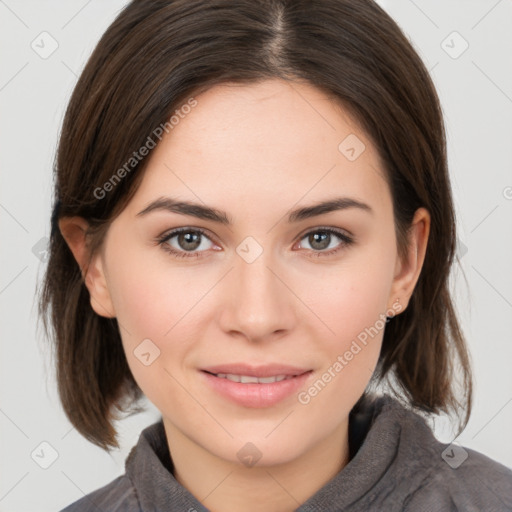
<point x="246" y="379"/>
<point x="249" y="379"/>
<point x="266" y="380"/>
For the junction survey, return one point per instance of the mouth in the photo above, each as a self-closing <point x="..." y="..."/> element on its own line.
<point x="249" y="379"/>
<point x="261" y="371"/>
<point x="254" y="387"/>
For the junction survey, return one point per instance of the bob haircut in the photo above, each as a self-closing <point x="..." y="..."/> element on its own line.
<point x="152" y="59"/>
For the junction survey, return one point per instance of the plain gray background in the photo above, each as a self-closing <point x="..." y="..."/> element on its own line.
<point x="475" y="87"/>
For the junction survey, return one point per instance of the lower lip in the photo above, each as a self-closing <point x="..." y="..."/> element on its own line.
<point x="253" y="394"/>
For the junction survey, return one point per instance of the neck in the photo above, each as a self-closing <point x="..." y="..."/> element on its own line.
<point x="225" y="486"/>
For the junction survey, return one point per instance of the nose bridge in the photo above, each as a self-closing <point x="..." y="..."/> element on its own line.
<point x="259" y="304"/>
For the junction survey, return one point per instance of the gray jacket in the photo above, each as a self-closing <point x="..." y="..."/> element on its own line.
<point x="396" y="464"/>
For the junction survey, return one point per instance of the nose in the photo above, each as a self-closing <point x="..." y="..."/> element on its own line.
<point x="257" y="302"/>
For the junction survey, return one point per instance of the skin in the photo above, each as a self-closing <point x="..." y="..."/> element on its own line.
<point x="256" y="152"/>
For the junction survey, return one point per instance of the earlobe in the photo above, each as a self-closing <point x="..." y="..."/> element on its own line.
<point x="408" y="271"/>
<point x="74" y="231"/>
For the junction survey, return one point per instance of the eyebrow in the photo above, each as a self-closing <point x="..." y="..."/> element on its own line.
<point x="215" y="215"/>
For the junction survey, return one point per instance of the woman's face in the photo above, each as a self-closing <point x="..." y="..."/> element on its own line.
<point x="270" y="286"/>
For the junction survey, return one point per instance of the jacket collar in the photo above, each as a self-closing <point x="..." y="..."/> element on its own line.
<point x="374" y="435"/>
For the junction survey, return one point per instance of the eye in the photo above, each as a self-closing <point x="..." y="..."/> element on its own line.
<point x="322" y="239"/>
<point x="189" y="242"/>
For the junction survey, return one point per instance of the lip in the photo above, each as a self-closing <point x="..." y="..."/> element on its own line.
<point x="256" y="395"/>
<point x="267" y="370"/>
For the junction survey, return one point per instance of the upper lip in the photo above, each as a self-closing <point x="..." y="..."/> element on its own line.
<point x="267" y="370"/>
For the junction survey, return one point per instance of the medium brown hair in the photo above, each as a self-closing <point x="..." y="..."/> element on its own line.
<point x="158" y="54"/>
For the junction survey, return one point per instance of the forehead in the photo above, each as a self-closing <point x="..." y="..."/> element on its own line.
<point x="271" y="142"/>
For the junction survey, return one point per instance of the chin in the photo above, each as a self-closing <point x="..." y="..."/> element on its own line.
<point x="253" y="449"/>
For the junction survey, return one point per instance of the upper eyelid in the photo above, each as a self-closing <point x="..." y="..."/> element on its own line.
<point x="168" y="235"/>
<point x="331" y="229"/>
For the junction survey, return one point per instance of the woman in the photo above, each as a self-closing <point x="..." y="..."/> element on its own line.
<point x="253" y="228"/>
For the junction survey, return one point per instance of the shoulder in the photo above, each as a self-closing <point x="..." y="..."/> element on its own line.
<point x="432" y="476"/>
<point x="459" y="478"/>
<point x="117" y="496"/>
<point x="466" y="480"/>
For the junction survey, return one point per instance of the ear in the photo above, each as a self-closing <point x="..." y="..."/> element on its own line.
<point x="408" y="271"/>
<point x="74" y="230"/>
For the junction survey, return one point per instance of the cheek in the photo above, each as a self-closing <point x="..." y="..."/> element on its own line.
<point x="354" y="297"/>
<point x="150" y="296"/>
<point x="164" y="303"/>
<point x="142" y="306"/>
<point x="350" y="355"/>
<point x="153" y="305"/>
<point x="353" y="302"/>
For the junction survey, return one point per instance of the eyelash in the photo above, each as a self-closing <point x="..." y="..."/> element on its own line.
<point x="162" y="241"/>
